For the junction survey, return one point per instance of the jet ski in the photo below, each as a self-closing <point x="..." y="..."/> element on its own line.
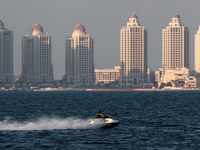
<point x="110" y="122"/>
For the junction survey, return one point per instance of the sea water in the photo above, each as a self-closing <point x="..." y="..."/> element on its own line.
<point x="59" y="120"/>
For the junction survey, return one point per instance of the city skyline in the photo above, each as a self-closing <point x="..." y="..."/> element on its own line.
<point x="103" y="21"/>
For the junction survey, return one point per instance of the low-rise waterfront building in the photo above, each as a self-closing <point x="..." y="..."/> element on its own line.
<point x="158" y="74"/>
<point x="198" y="79"/>
<point x="179" y="78"/>
<point x="150" y="75"/>
<point x="107" y="75"/>
<point x="197" y="76"/>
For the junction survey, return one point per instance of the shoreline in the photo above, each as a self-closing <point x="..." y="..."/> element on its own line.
<point x="109" y="90"/>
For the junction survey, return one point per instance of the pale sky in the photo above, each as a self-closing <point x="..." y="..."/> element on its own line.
<point x="103" y="20"/>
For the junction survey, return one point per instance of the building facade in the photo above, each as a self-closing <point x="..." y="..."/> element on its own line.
<point x="79" y="65"/>
<point x="133" y="54"/>
<point x="197" y="51"/>
<point x="6" y="57"/>
<point x="107" y="75"/>
<point x="150" y="75"/>
<point x="37" y="68"/>
<point x="175" y="45"/>
<point x="179" y="77"/>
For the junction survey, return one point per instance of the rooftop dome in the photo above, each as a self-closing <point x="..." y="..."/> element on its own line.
<point x="133" y="16"/>
<point x="176" y="16"/>
<point x="1" y="24"/>
<point x="79" y="28"/>
<point x="37" y="28"/>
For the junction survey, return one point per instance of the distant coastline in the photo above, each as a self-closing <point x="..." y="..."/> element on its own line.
<point x="108" y="90"/>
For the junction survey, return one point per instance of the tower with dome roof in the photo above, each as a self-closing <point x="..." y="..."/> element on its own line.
<point x="175" y="45"/>
<point x="79" y="59"/>
<point x="133" y="54"/>
<point x="37" y="68"/>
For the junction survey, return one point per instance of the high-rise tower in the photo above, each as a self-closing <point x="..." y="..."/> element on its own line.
<point x="197" y="51"/>
<point x="79" y="65"/>
<point x="133" y="54"/>
<point x="6" y="56"/>
<point x="175" y="45"/>
<point x="37" y="68"/>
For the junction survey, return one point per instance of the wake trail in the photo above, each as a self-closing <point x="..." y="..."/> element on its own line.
<point x="45" y="123"/>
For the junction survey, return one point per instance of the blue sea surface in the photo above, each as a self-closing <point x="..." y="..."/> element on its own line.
<point x="162" y="120"/>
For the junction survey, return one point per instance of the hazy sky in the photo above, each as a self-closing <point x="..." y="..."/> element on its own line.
<point x="103" y="20"/>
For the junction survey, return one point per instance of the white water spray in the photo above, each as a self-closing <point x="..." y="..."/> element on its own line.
<point x="45" y="123"/>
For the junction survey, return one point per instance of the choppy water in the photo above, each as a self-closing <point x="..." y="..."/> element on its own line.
<point x="168" y="120"/>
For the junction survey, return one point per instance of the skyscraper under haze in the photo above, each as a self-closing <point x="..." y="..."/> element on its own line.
<point x="133" y="54"/>
<point x="37" y="68"/>
<point x="175" y="45"/>
<point x="197" y="51"/>
<point x="6" y="57"/>
<point x="79" y="65"/>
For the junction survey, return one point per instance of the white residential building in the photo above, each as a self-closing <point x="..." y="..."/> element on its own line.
<point x="133" y="54"/>
<point x="175" y="45"/>
<point x="107" y="75"/>
<point x="37" y="68"/>
<point x="79" y="65"/>
<point x="180" y="78"/>
<point x="197" y="51"/>
<point x="158" y="74"/>
<point x="6" y="57"/>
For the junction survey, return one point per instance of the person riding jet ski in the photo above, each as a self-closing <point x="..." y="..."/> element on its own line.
<point x="108" y="121"/>
<point x="100" y="115"/>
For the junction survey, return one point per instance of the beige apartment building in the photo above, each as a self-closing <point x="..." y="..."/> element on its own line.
<point x="179" y="78"/>
<point x="6" y="57"/>
<point x="107" y="75"/>
<point x="197" y="51"/>
<point x="133" y="54"/>
<point x="79" y="65"/>
<point x="175" y="45"/>
<point x="37" y="67"/>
